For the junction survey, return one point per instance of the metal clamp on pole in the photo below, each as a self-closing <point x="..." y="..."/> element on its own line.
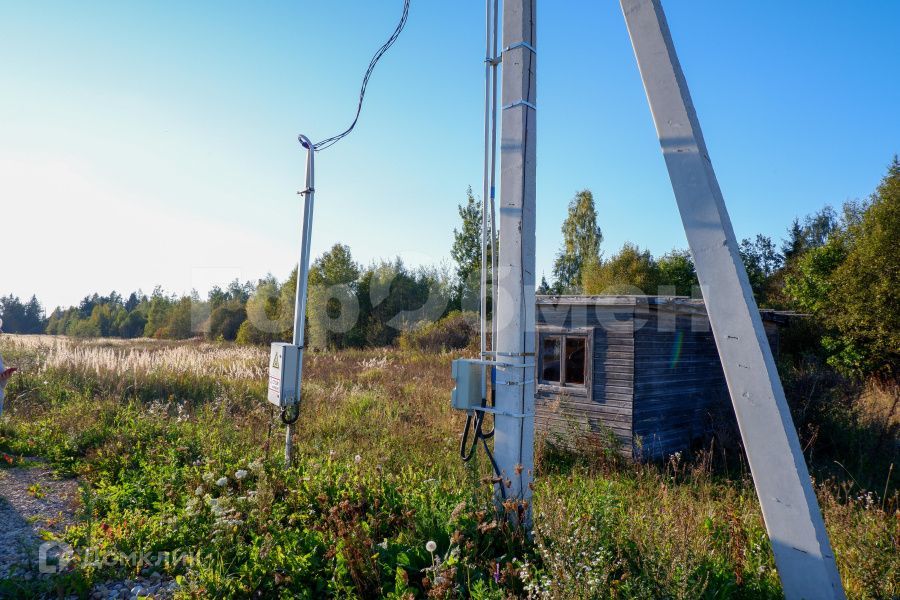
<point x="519" y="103"/>
<point x="494" y="363"/>
<point x="526" y="382"/>
<point x="522" y="44"/>
<point x="503" y="413"/>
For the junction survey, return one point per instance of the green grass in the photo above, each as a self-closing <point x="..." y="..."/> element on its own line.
<point x="377" y="477"/>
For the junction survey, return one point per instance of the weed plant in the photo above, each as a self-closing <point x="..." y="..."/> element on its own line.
<point x="178" y="455"/>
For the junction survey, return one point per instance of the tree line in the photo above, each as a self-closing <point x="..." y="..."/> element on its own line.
<point x="839" y="267"/>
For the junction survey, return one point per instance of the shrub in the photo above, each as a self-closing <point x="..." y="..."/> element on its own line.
<point x="852" y="284"/>
<point x="225" y="321"/>
<point x="455" y="331"/>
<point x="631" y="271"/>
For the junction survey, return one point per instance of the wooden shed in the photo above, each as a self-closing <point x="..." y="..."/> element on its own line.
<point x="642" y="368"/>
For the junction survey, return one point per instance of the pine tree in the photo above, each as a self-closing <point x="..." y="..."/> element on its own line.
<point x="466" y="251"/>
<point x="543" y="289"/>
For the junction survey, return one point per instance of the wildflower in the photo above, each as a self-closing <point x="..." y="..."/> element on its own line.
<point x="198" y="491"/>
<point x="222" y="481"/>
<point x="431" y="546"/>
<point x="208" y="477"/>
<point x="357" y="459"/>
<point x="240" y="474"/>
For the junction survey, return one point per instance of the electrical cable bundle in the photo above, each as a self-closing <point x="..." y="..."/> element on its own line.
<point x="328" y="142"/>
<point x="480" y="436"/>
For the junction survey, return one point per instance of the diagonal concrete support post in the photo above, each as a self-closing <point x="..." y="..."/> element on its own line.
<point x="514" y="435"/>
<point x="793" y="520"/>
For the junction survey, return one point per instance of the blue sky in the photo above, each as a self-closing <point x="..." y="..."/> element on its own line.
<point x="154" y="143"/>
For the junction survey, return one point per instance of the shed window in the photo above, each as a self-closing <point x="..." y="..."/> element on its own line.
<point x="563" y="359"/>
<point x="575" y="360"/>
<point x="550" y="352"/>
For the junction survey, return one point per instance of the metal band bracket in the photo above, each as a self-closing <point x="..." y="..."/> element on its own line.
<point x="520" y="103"/>
<point x="522" y="44"/>
<point x="503" y="413"/>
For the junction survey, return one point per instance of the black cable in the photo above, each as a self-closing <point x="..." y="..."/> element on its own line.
<point x="480" y="436"/>
<point x="290" y="413"/>
<point x="328" y="142"/>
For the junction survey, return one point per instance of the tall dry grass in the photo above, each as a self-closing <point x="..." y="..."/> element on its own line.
<point x="110" y="356"/>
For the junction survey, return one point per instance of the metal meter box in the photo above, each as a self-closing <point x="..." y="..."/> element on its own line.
<point x="284" y="365"/>
<point x="467" y="376"/>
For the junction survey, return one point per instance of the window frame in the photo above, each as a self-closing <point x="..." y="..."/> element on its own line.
<point x="584" y="333"/>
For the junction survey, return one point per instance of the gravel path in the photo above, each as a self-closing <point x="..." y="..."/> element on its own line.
<point x="33" y="502"/>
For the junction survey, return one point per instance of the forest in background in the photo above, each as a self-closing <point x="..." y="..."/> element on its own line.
<point x="840" y="267"/>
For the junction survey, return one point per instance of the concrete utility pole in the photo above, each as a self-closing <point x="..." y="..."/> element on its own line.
<point x="514" y="430"/>
<point x="793" y="520"/>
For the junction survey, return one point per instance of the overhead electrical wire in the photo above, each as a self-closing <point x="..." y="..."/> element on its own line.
<point x="328" y="142"/>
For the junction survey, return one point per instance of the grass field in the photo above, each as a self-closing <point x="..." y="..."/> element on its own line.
<point x="175" y="451"/>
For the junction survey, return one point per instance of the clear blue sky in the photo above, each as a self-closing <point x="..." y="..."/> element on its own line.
<point x="154" y="143"/>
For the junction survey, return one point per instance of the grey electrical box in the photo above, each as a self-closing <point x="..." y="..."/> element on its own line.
<point x="284" y="366"/>
<point x="467" y="375"/>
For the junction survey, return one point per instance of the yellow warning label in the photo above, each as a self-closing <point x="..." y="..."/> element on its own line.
<point x="276" y="362"/>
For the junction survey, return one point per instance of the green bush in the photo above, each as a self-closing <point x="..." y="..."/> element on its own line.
<point x="455" y="331"/>
<point x="852" y="285"/>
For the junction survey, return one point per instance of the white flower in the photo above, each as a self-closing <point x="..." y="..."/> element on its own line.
<point x="357" y="459"/>
<point x="198" y="491"/>
<point x="208" y="477"/>
<point x="431" y="546"/>
<point x="240" y="474"/>
<point x="222" y="481"/>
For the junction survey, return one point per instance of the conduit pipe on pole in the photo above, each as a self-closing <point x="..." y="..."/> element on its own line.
<point x="302" y="282"/>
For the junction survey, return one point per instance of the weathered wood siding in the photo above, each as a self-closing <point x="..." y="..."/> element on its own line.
<point x="656" y="382"/>
<point x="578" y="417"/>
<point x="679" y="383"/>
